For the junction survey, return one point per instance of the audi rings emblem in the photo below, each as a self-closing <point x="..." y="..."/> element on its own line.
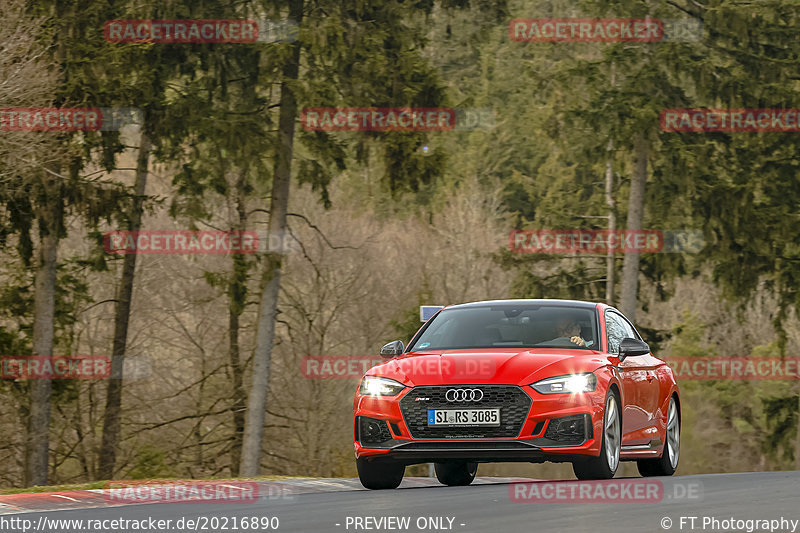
<point x="463" y="395"/>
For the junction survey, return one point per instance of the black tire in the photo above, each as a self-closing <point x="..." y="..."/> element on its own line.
<point x="378" y="474"/>
<point x="455" y="474"/>
<point x="668" y="462"/>
<point x="600" y="467"/>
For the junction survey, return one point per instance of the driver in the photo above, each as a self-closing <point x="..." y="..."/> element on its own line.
<point x="568" y="328"/>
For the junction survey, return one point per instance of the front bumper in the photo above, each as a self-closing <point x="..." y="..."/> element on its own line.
<point x="489" y="451"/>
<point x="536" y="440"/>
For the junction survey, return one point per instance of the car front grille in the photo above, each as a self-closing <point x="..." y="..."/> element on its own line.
<point x="514" y="405"/>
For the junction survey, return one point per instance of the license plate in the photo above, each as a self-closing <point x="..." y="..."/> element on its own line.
<point x="463" y="417"/>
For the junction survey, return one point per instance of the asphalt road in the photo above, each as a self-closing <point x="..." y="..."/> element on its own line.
<point x="493" y="506"/>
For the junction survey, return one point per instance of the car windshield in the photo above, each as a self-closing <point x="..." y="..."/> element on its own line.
<point x="510" y="326"/>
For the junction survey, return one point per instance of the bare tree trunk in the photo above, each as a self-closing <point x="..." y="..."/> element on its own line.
<point x="237" y="293"/>
<point x="239" y="398"/>
<point x="50" y="226"/>
<point x="122" y="311"/>
<point x="279" y="203"/>
<point x="630" y="265"/>
<point x="612" y="224"/>
<point x="797" y="440"/>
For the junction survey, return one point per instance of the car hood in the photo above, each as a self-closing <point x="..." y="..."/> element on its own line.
<point x="503" y="366"/>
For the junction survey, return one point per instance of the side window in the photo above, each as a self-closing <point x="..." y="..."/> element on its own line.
<point x="615" y="331"/>
<point x="617" y="328"/>
<point x="629" y="331"/>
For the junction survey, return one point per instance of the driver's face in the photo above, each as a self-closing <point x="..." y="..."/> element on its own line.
<point x="570" y="329"/>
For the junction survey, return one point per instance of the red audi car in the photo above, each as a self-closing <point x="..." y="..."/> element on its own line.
<point x="517" y="380"/>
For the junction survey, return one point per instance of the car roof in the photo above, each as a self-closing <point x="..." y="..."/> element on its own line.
<point x="564" y="303"/>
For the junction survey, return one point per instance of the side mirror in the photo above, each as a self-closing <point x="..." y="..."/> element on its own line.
<point x="392" y="349"/>
<point x="629" y="346"/>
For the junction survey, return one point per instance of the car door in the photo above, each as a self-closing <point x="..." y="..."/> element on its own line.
<point x="634" y="375"/>
<point x="638" y="374"/>
<point x="649" y="389"/>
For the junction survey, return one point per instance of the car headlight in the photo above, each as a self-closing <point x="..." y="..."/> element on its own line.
<point x="375" y="386"/>
<point x="571" y="384"/>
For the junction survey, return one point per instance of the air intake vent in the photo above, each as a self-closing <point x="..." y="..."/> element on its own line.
<point x="569" y="429"/>
<point x="372" y="431"/>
